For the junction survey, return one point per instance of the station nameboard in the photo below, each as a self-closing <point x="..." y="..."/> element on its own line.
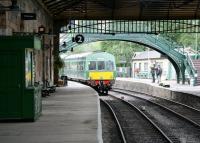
<point x="28" y="16"/>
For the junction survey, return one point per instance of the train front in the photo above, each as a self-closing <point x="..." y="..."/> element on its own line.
<point x="102" y="73"/>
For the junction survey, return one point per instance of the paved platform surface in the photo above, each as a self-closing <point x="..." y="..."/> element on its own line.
<point x="69" y="116"/>
<point x="173" y="85"/>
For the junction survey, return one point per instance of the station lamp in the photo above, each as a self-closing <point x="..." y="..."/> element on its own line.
<point x="64" y="44"/>
<point x="41" y="29"/>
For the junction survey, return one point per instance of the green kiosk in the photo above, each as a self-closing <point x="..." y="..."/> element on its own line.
<point x="20" y="98"/>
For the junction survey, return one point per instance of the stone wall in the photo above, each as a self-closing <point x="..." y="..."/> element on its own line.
<point x="11" y="22"/>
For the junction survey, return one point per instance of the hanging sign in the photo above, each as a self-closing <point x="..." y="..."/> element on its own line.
<point x="28" y="16"/>
<point x="79" y="38"/>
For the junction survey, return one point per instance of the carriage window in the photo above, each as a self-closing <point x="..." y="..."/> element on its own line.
<point x="101" y="65"/>
<point x="80" y="65"/>
<point x="92" y="65"/>
<point x="109" y="65"/>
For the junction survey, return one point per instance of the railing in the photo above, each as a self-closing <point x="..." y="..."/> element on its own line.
<point x="169" y="47"/>
<point x="190" y="64"/>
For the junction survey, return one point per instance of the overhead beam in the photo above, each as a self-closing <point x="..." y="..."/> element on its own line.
<point x="56" y="4"/>
<point x="57" y="7"/>
<point x="50" y="1"/>
<point x="105" y="5"/>
<point x="44" y="7"/>
<point x="72" y="4"/>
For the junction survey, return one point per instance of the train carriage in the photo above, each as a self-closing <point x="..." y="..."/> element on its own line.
<point x="97" y="69"/>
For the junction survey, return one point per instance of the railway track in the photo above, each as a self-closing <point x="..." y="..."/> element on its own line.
<point x="189" y="113"/>
<point x="112" y="132"/>
<point x="179" y="122"/>
<point x="136" y="127"/>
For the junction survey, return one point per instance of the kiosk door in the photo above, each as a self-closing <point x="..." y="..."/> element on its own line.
<point x="10" y="85"/>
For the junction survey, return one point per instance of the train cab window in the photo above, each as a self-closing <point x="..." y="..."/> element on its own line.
<point x="92" y="65"/>
<point x="109" y="65"/>
<point x="101" y="65"/>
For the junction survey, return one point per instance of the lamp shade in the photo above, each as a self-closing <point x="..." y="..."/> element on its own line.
<point x="41" y="29"/>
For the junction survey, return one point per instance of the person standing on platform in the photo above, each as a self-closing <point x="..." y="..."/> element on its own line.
<point x="65" y="81"/>
<point x="159" y="73"/>
<point x="153" y="70"/>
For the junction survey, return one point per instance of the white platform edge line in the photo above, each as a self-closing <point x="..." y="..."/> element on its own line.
<point x="99" y="128"/>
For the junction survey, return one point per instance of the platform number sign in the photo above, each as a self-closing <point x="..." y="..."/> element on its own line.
<point x="79" y="39"/>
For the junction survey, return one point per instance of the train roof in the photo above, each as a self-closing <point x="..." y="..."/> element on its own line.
<point x="82" y="55"/>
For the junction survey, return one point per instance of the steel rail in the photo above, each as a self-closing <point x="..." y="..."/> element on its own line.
<point x="178" y="103"/>
<point x="147" y="118"/>
<point x="115" y="117"/>
<point x="166" y="108"/>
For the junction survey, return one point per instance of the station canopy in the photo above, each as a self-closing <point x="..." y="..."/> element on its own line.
<point x="122" y="9"/>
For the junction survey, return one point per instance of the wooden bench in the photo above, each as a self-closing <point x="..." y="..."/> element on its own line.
<point x="45" y="91"/>
<point x="51" y="86"/>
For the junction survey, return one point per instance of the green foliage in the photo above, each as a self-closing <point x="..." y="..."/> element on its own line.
<point x="122" y="50"/>
<point x="95" y="46"/>
<point x="186" y="39"/>
<point x="58" y="62"/>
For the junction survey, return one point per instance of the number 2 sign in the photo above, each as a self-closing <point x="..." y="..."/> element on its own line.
<point x="79" y="38"/>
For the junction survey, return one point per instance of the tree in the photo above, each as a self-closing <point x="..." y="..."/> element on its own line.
<point x="122" y="50"/>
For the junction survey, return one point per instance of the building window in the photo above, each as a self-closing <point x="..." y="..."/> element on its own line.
<point x="135" y="66"/>
<point x="145" y="66"/>
<point x="139" y="66"/>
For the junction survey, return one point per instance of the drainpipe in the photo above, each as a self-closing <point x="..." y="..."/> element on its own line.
<point x="43" y="60"/>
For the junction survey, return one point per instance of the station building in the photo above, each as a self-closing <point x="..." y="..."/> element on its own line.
<point x="142" y="62"/>
<point x="29" y="18"/>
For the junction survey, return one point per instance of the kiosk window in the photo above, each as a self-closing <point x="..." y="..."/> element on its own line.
<point x="29" y="68"/>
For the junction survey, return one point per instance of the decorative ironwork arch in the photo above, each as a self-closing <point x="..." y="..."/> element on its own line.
<point x="156" y="42"/>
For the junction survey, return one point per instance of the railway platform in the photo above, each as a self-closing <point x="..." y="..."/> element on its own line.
<point x="70" y="115"/>
<point x="185" y="94"/>
<point x="174" y="86"/>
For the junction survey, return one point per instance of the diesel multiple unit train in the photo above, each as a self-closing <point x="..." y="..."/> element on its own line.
<point x="97" y="69"/>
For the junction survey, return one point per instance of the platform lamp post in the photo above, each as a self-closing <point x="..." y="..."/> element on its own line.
<point x="41" y="31"/>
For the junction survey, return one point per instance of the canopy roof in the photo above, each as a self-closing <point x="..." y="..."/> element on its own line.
<point x="122" y="9"/>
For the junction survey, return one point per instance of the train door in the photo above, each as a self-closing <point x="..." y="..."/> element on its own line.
<point x="10" y="84"/>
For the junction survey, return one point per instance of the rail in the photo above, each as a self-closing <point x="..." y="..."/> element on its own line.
<point x="190" y="67"/>
<point x="146" y="117"/>
<point x="115" y="117"/>
<point x="163" y="107"/>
